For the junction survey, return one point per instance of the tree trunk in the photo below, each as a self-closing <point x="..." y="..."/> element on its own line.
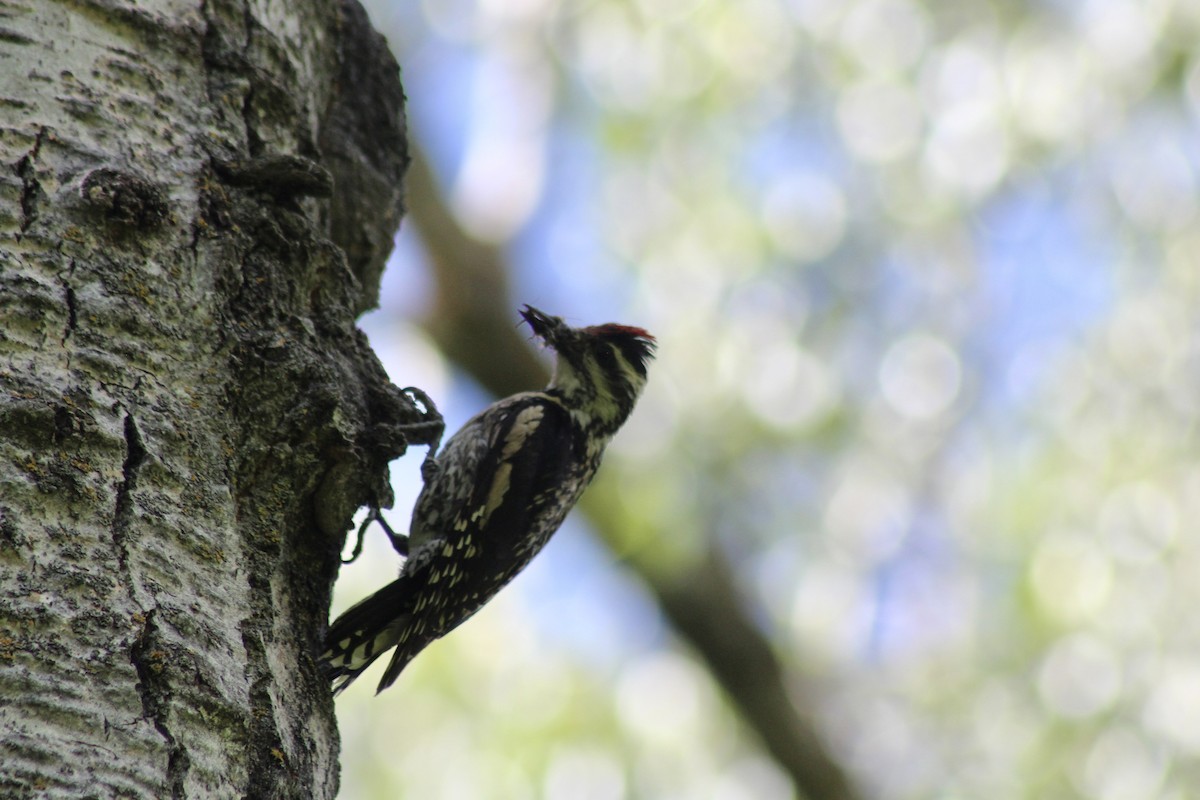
<point x="197" y="202"/>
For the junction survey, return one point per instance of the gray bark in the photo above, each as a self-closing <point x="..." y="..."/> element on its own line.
<point x="196" y="201"/>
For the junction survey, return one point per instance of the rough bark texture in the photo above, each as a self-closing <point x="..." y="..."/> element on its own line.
<point x="188" y="416"/>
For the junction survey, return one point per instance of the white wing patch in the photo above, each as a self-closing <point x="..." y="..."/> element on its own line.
<point x="525" y="424"/>
<point x="522" y="428"/>
<point x="499" y="488"/>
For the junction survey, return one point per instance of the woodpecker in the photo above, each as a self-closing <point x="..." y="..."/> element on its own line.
<point x="494" y="496"/>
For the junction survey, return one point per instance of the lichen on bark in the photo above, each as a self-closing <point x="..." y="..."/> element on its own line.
<point x="188" y="414"/>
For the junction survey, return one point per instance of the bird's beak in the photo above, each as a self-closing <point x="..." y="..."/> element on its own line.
<point x="546" y="327"/>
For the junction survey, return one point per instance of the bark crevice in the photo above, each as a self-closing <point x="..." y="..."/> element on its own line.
<point x="181" y="376"/>
<point x="149" y="660"/>
<point x="135" y="454"/>
<point x="72" y="310"/>
<point x="31" y="187"/>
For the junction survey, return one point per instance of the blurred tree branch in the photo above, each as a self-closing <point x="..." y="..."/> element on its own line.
<point x="472" y="321"/>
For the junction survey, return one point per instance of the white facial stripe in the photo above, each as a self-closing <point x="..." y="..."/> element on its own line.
<point x="597" y="374"/>
<point x="610" y="392"/>
<point x="632" y="376"/>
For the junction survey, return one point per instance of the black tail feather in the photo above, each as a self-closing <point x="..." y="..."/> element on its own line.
<point x="365" y="632"/>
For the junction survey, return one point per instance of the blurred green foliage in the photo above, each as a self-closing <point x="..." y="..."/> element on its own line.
<point x="925" y="280"/>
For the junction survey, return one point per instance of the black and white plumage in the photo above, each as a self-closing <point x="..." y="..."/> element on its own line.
<point x="495" y="495"/>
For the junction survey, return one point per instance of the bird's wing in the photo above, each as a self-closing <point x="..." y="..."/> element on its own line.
<point x="494" y="532"/>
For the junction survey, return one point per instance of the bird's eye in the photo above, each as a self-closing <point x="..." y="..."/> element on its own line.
<point x="606" y="357"/>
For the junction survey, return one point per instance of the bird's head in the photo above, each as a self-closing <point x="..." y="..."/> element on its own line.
<point x="601" y="369"/>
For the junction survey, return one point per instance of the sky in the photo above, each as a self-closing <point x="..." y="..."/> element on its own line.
<point x="922" y="280"/>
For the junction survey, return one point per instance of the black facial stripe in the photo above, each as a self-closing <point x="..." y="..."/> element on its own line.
<point x="634" y="351"/>
<point x="606" y="356"/>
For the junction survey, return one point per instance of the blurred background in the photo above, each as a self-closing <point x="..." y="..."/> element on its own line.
<point x="904" y="510"/>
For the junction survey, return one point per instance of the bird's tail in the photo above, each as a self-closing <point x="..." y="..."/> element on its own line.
<point x="365" y="632"/>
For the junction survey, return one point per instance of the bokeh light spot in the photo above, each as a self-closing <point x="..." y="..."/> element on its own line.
<point x="920" y="377"/>
<point x="1079" y="677"/>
